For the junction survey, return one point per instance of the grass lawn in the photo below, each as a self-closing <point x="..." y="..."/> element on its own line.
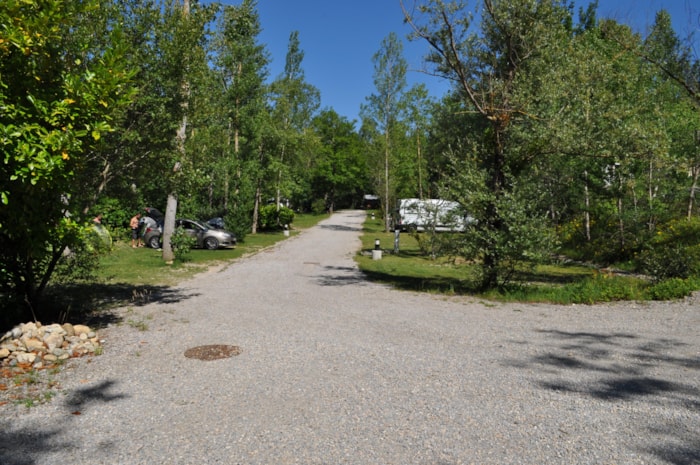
<point x="554" y="283"/>
<point x="128" y="276"/>
<point x="145" y="266"/>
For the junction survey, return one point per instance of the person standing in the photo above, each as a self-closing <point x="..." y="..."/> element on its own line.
<point x="135" y="238"/>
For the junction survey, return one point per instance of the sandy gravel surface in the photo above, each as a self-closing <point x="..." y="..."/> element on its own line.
<point x="336" y="370"/>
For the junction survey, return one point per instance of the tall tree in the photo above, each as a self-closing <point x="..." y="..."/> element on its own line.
<point x="180" y="140"/>
<point x="417" y="110"/>
<point x="59" y="94"/>
<point x="294" y="103"/>
<point x="677" y="61"/>
<point x="383" y="108"/>
<point x="337" y="168"/>
<point x="242" y="65"/>
<point x="486" y="67"/>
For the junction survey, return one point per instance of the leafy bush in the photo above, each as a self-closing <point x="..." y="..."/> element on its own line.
<point x="672" y="261"/>
<point x="77" y="266"/>
<point x="603" y="288"/>
<point x="182" y="243"/>
<point x="239" y="223"/>
<point x="116" y="216"/>
<point x="270" y="218"/>
<point x="673" y="252"/>
<point x="318" y="207"/>
<point x="434" y="244"/>
<point x="673" y="288"/>
<point x="286" y="216"/>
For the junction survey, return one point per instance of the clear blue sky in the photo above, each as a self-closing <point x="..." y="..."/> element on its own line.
<point x="339" y="38"/>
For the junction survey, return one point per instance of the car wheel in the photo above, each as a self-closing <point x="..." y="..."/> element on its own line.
<point x="154" y="242"/>
<point x="210" y="243"/>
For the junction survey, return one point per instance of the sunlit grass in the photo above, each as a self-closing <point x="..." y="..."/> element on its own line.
<point x="145" y="266"/>
<point x="128" y="276"/>
<point x="560" y="283"/>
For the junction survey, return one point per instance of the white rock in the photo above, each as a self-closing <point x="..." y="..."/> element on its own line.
<point x="26" y="357"/>
<point x="81" y="329"/>
<point x="53" y="340"/>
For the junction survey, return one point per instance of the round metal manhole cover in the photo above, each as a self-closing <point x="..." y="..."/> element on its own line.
<point x="212" y="352"/>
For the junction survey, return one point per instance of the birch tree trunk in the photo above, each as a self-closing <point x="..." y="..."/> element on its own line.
<point x="181" y="137"/>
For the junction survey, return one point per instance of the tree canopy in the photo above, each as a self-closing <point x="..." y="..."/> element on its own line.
<point x="562" y="133"/>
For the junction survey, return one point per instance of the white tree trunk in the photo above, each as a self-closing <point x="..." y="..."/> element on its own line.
<point x="169" y="229"/>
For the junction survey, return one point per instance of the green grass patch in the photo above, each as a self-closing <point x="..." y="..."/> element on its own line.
<point x="559" y="283"/>
<point x="145" y="266"/>
<point x="128" y="276"/>
<point x="408" y="269"/>
<point x="307" y="220"/>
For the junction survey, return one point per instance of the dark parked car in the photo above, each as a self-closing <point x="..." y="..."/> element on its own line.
<point x="215" y="223"/>
<point x="205" y="237"/>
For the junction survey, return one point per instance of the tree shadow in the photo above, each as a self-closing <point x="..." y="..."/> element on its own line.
<point x="22" y="446"/>
<point x="80" y="399"/>
<point x="93" y="304"/>
<point x="422" y="284"/>
<point x="340" y="227"/>
<point x="624" y="367"/>
<point x="27" y="446"/>
<point x="341" y="276"/>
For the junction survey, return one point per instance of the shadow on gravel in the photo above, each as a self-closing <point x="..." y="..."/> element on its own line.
<point x="341" y="276"/>
<point x="29" y="446"/>
<point x="79" y="302"/>
<point x="421" y="284"/>
<point x="21" y="446"/>
<point x="621" y="367"/>
<point x="340" y="227"/>
<point x="686" y="454"/>
<point x="81" y="399"/>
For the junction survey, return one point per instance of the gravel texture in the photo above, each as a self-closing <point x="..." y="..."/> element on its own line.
<point x="336" y="370"/>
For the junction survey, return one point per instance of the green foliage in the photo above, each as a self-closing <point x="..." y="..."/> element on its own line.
<point x="673" y="288"/>
<point x="80" y="263"/>
<point x="318" y="207"/>
<point x="672" y="261"/>
<point x="271" y="218"/>
<point x="554" y="283"/>
<point x="518" y="236"/>
<point x="673" y="252"/>
<point x="431" y="243"/>
<point x="182" y="243"/>
<point x="286" y="216"/>
<point x="338" y="173"/>
<point x="382" y="112"/>
<point x="61" y="92"/>
<point x="116" y="214"/>
<point x="604" y="288"/>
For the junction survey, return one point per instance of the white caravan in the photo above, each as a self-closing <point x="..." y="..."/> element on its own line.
<point x="429" y="215"/>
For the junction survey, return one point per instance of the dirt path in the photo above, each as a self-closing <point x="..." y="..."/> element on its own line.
<point x="335" y="370"/>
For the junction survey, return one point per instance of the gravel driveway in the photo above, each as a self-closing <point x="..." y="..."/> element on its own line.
<point x="336" y="370"/>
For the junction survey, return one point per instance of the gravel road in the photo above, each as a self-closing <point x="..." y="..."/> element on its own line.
<point x="336" y="370"/>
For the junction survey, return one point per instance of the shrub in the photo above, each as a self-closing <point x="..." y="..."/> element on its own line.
<point x="603" y="288"/>
<point x="674" y="251"/>
<point x="433" y="244"/>
<point x="182" y="243"/>
<point x="270" y="218"/>
<point x="239" y="222"/>
<point x="286" y="216"/>
<point x="669" y="261"/>
<point x="318" y="207"/>
<point x="673" y="288"/>
<point x="116" y="216"/>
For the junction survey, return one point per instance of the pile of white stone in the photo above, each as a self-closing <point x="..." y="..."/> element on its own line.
<point x="37" y="345"/>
